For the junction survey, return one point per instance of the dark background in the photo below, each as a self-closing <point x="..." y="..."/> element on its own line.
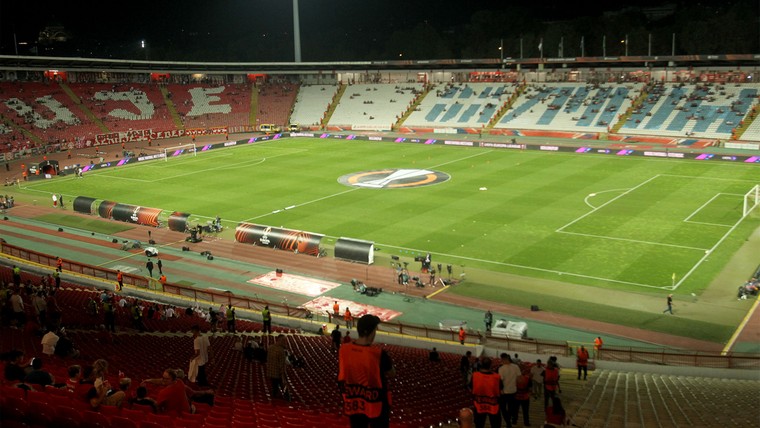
<point x="356" y="30"/>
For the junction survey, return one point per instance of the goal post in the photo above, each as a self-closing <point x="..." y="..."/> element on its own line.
<point x="182" y="149"/>
<point x="751" y="200"/>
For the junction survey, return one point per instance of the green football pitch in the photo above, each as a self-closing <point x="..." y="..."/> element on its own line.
<point x="629" y="224"/>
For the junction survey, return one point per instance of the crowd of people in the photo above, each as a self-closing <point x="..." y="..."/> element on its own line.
<point x="503" y="388"/>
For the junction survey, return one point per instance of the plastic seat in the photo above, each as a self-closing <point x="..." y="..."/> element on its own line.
<point x="122" y="422"/>
<point x="163" y="420"/>
<point x="134" y="415"/>
<point x="92" y="419"/>
<point x="15" y="408"/>
<point x="12" y="391"/>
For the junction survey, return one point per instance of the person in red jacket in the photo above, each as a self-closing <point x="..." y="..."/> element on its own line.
<point x="522" y="398"/>
<point x="551" y="381"/>
<point x="486" y="388"/>
<point x="462" y="335"/>
<point x="581" y="361"/>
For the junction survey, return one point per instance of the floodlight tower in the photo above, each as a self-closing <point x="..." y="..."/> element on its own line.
<point x="296" y="32"/>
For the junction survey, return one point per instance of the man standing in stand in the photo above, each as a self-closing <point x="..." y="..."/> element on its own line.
<point x="582" y="362"/>
<point x="201" y="348"/>
<point x="266" y="318"/>
<point x="485" y="389"/>
<point x="363" y="372"/>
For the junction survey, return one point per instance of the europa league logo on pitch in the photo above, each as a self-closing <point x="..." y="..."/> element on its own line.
<point x="394" y="178"/>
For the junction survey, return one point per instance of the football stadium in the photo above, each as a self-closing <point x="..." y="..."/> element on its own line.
<point x="209" y="244"/>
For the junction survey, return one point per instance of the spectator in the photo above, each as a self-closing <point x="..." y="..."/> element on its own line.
<point x="75" y="375"/>
<point x="465" y="368"/>
<point x="49" y="341"/>
<point x="276" y="367"/>
<point x="141" y="398"/>
<point x="202" y="349"/>
<point x="336" y="337"/>
<point x="555" y="413"/>
<point x="537" y="378"/>
<point x="14" y="366"/>
<point x="172" y="398"/>
<point x="434" y="356"/>
<point x="38" y="376"/>
<point x="65" y="347"/>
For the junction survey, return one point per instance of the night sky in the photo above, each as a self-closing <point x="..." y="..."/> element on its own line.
<point x="261" y="30"/>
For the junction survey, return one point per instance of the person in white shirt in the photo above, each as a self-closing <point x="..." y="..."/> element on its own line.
<point x="49" y="340"/>
<point x="201" y="346"/>
<point x="508" y="373"/>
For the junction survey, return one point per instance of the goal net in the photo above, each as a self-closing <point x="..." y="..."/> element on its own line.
<point x="751" y="200"/>
<point x="183" y="149"/>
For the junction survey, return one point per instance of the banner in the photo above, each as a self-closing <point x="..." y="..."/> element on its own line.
<point x="275" y="237"/>
<point x="83" y="204"/>
<point x="135" y="214"/>
<point x="178" y="221"/>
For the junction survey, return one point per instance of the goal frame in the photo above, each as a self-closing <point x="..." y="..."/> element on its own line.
<point x="751" y="200"/>
<point x="185" y="148"/>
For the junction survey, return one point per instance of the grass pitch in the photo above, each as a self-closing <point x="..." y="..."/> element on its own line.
<point x="638" y="225"/>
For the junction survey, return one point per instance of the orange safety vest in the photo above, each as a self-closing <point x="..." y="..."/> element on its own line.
<point x="462" y="335"/>
<point x="336" y="309"/>
<point x="582" y="357"/>
<point x="119" y="277"/>
<point x="598" y="343"/>
<point x="485" y="388"/>
<point x="523" y="387"/>
<point x="551" y="378"/>
<point x="347" y="315"/>
<point x="361" y="380"/>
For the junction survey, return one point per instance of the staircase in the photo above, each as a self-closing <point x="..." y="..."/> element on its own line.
<point x="624" y="117"/>
<point x="9" y="123"/>
<point x="170" y="106"/>
<point x="412" y="108"/>
<point x="84" y="108"/>
<point x="745" y="123"/>
<point x="333" y="105"/>
<point x="254" y="108"/>
<point x="507" y="105"/>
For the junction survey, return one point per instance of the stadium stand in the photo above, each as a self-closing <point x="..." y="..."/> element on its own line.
<point x="243" y="396"/>
<point x="122" y="107"/>
<point x="374" y="106"/>
<point x="708" y="111"/>
<point x="275" y="102"/>
<point x="46" y="111"/>
<point x="570" y="107"/>
<point x="312" y="103"/>
<point x="466" y="105"/>
<point x="210" y="105"/>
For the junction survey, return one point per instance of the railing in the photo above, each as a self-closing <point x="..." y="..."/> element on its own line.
<point x="668" y="357"/>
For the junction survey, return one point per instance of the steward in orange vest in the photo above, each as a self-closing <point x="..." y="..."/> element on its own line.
<point x="486" y="388"/>
<point x="363" y="370"/>
<point x="551" y="381"/>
